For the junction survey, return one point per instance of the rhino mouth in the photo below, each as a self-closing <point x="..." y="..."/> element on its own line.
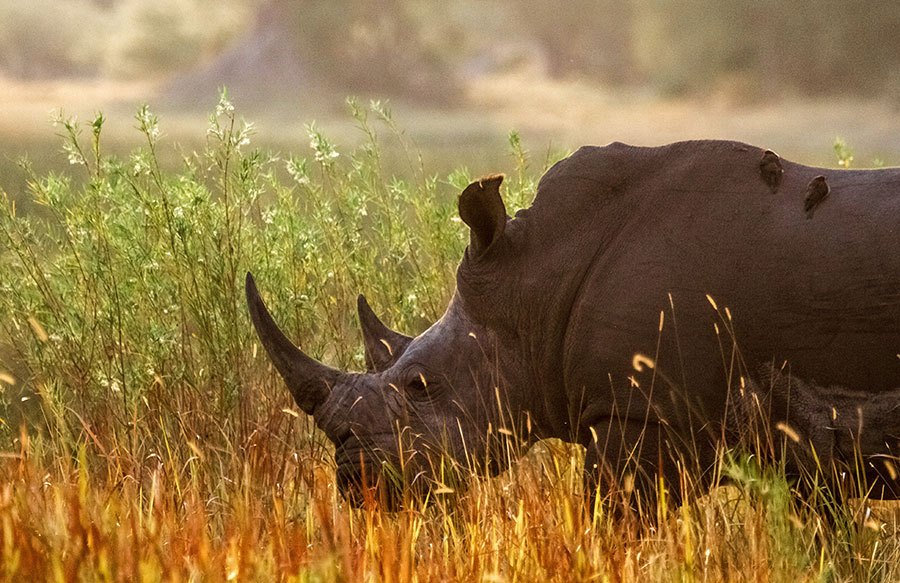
<point x="372" y="483"/>
<point x="361" y="473"/>
<point x="367" y="475"/>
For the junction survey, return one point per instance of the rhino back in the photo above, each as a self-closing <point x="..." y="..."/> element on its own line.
<point x="659" y="229"/>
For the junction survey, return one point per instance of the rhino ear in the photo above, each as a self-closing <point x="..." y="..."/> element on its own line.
<point x="481" y="208"/>
<point x="383" y="345"/>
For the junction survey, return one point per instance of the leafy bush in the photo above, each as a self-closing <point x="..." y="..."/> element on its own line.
<point x="130" y="290"/>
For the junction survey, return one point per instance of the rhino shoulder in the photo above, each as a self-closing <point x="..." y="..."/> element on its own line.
<point x="600" y="164"/>
<point x="616" y="162"/>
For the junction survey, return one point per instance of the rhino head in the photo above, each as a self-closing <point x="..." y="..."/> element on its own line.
<point x="426" y="406"/>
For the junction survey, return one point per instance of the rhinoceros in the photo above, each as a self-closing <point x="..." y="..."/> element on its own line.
<point x="629" y="309"/>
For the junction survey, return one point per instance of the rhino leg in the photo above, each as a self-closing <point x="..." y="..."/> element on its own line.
<point x="625" y="463"/>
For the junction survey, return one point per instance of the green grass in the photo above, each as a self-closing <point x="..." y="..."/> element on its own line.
<point x="155" y="442"/>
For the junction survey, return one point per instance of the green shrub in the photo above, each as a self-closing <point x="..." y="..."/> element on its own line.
<point x="126" y="293"/>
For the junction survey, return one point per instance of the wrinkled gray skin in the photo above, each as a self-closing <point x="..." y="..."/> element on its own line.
<point x="557" y="317"/>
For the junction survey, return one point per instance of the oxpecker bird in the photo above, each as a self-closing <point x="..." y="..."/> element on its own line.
<point x="771" y="171"/>
<point x="816" y="192"/>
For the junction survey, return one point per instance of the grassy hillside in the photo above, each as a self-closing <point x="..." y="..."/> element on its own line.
<point x="144" y="435"/>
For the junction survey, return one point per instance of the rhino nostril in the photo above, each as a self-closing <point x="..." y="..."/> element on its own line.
<point x="338" y="433"/>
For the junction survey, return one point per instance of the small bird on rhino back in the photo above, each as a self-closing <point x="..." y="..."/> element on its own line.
<point x="816" y="192"/>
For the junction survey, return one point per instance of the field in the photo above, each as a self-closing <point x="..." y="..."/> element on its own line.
<point x="144" y="435"/>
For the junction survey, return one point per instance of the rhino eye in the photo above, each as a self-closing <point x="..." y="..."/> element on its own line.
<point x="418" y="383"/>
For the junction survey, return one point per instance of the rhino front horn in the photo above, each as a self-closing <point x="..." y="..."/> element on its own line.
<point x="309" y="380"/>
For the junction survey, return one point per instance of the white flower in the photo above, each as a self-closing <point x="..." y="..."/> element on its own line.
<point x="296" y="169"/>
<point x="324" y="150"/>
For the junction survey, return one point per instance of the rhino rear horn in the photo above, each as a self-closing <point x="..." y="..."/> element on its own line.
<point x="383" y="345"/>
<point x="308" y="380"/>
<point x="482" y="209"/>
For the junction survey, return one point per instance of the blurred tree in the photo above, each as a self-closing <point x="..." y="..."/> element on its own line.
<point x="165" y="36"/>
<point x="833" y="46"/>
<point x="687" y="45"/>
<point x="355" y="46"/>
<point x="421" y="48"/>
<point x="46" y="38"/>
<point x="155" y="38"/>
<point x="371" y="45"/>
<point x="584" y="37"/>
<point x="806" y="46"/>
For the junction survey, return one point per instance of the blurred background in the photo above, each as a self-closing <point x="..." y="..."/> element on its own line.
<point x="460" y="74"/>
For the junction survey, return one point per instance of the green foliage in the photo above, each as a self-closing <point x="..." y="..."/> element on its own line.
<point x="843" y="153"/>
<point x="134" y="281"/>
<point x="792" y="546"/>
